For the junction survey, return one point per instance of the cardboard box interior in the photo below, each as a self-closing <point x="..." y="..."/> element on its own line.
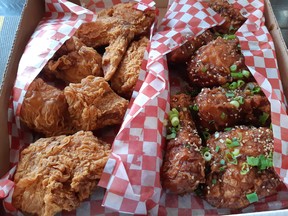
<point x="36" y="9"/>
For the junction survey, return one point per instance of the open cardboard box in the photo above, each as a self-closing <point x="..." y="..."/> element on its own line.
<point x="33" y="12"/>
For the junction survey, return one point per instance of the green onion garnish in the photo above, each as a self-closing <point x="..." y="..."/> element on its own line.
<point x="207" y="156"/>
<point x="206" y="135"/>
<point x="240" y="99"/>
<point x="255" y="90"/>
<point x="222" y="168"/>
<point x="252" y="197"/>
<point x="195" y="107"/>
<point x="228" y="141"/>
<point x="171" y="136"/>
<point x="214" y="181"/>
<point x="204" y="149"/>
<point x="230" y="94"/>
<point x="204" y="69"/>
<point x="240" y="83"/>
<point x="237" y="75"/>
<point x="228" y="129"/>
<point x="236" y="152"/>
<point x="231" y="158"/>
<point x="246" y="73"/>
<point x="263" y="118"/>
<point x="217" y="148"/>
<point x="222" y="162"/>
<point x="233" y="68"/>
<point x="252" y="161"/>
<point x="229" y="37"/>
<point x="235" y="103"/>
<point x="233" y="143"/>
<point x="233" y="85"/>
<point x="223" y="115"/>
<point x="175" y="121"/>
<point x="244" y="169"/>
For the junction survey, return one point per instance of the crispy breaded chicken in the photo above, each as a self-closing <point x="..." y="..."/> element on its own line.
<point x="74" y="61"/>
<point x="57" y="173"/>
<point x="112" y="32"/>
<point x="210" y="65"/>
<point x="44" y="109"/>
<point x="232" y="16"/>
<point x="92" y="104"/>
<point x="241" y="165"/>
<point x="126" y="76"/>
<point x="184" y="53"/>
<point x="183" y="165"/>
<point x="141" y="20"/>
<point x="220" y="107"/>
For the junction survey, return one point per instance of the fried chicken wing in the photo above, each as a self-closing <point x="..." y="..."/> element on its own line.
<point x="211" y="64"/>
<point x="221" y="107"/>
<point x="112" y="32"/>
<point x="126" y="76"/>
<point x="141" y="20"/>
<point x="57" y="173"/>
<point x="183" y="166"/>
<point x="74" y="61"/>
<point x="92" y="104"/>
<point x="232" y="16"/>
<point x="241" y="167"/>
<point x="184" y="53"/>
<point x="44" y="109"/>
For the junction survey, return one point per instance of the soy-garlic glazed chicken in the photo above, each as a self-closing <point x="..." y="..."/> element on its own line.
<point x="241" y="167"/>
<point x="183" y="166"/>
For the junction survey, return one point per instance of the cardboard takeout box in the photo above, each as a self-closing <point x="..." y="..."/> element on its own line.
<point x="32" y="14"/>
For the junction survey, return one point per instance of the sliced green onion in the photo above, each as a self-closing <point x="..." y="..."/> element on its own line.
<point x="246" y="73"/>
<point x="230" y="94"/>
<point x="252" y="161"/>
<point x="206" y="135"/>
<point x="231" y="28"/>
<point x="263" y="118"/>
<point x="229" y="37"/>
<point x="204" y="149"/>
<point x="236" y="152"/>
<point x="228" y="129"/>
<point x="244" y="169"/>
<point x="250" y="86"/>
<point x="233" y="85"/>
<point x="175" y="121"/>
<point x="228" y="141"/>
<point x="237" y="75"/>
<point x="214" y="181"/>
<point x="222" y="168"/>
<point x="223" y="115"/>
<point x="204" y="69"/>
<point x="264" y="162"/>
<point x="240" y="83"/>
<point x="171" y="136"/>
<point x="233" y="68"/>
<point x="252" y="197"/>
<point x="230" y="158"/>
<point x="234" y="143"/>
<point x="235" y="103"/>
<point x="195" y="107"/>
<point x="222" y="162"/>
<point x="240" y="99"/>
<point x="207" y="156"/>
<point x="172" y="115"/>
<point x="255" y="90"/>
<point x="217" y="149"/>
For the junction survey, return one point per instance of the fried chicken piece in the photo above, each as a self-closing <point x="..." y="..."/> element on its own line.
<point x="210" y="66"/>
<point x="221" y="107"/>
<point x="232" y="16"/>
<point x="183" y="165"/>
<point x="92" y="104"/>
<point x="141" y="20"/>
<point x="112" y="32"/>
<point x="57" y="173"/>
<point x="184" y="53"/>
<point x="126" y="76"/>
<point x="233" y="174"/>
<point x="74" y="61"/>
<point x="44" y="109"/>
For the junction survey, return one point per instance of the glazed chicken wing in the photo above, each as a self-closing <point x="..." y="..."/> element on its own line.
<point x="44" y="109"/>
<point x="211" y="64"/>
<point x="241" y="167"/>
<point x="74" y="61"/>
<point x="184" y="53"/>
<point x="112" y="32"/>
<point x="126" y="76"/>
<point x="57" y="173"/>
<point x="183" y="166"/>
<point x="141" y="20"/>
<point x="221" y="107"/>
<point x="92" y="104"/>
<point x="232" y="16"/>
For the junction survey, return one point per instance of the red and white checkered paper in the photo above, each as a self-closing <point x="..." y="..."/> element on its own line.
<point x="258" y="49"/>
<point x="60" y="22"/>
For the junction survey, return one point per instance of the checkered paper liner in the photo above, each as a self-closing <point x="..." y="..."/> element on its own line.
<point x="259" y="52"/>
<point x="60" y="22"/>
